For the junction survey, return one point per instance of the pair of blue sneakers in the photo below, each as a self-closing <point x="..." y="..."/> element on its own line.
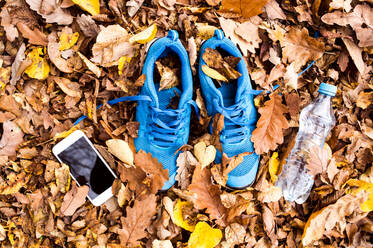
<point x="164" y="130"/>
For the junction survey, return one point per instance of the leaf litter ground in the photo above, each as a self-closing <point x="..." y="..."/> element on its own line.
<point x="61" y="59"/>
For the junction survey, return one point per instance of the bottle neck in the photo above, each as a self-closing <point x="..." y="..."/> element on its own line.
<point x="324" y="98"/>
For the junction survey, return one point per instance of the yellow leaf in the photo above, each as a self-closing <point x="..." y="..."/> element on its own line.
<point x="213" y="73"/>
<point x="4" y="76"/>
<point x="64" y="134"/>
<point x="204" y="236"/>
<point x="68" y="40"/>
<point x="121" y="62"/>
<point x="144" y="36"/>
<point x="205" y="31"/>
<point x="366" y="206"/>
<point x="39" y="68"/>
<point x="91" y="6"/>
<point x="182" y="207"/>
<point x="274" y="164"/>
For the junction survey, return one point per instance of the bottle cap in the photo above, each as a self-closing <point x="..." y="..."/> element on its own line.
<point x="328" y="89"/>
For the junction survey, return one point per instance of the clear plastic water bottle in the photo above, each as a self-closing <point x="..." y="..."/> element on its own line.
<point x="315" y="122"/>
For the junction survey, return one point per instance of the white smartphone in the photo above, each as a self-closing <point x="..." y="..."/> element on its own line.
<point x="87" y="167"/>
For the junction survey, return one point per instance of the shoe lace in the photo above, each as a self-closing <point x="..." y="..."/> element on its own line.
<point x="236" y="123"/>
<point x="164" y="125"/>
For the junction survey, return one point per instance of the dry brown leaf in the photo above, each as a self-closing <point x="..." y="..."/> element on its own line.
<point x="341" y="4"/>
<point x="121" y="149"/>
<point x="111" y="44"/>
<point x="153" y="168"/>
<point x="75" y="198"/>
<point x="356" y="55"/>
<point x="234" y="235"/>
<point x="68" y="87"/>
<point x="365" y="99"/>
<point x="185" y="164"/>
<point x="300" y="48"/>
<point x="63" y="179"/>
<point x="269" y="131"/>
<point x="245" y="35"/>
<point x="207" y="195"/>
<point x="133" y="6"/>
<point x="13" y="183"/>
<point x="35" y="36"/>
<point x="324" y="220"/>
<point x="51" y="12"/>
<point x="88" y="25"/>
<point x="137" y="220"/>
<point x="56" y="56"/>
<point x="11" y="138"/>
<point x="135" y="178"/>
<point x="274" y="11"/>
<point x="244" y="8"/>
<point x="317" y="161"/>
<point x="269" y="222"/>
<point x="169" y="76"/>
<point x="92" y="67"/>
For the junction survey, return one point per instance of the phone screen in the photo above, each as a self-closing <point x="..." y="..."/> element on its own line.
<point x="87" y="167"/>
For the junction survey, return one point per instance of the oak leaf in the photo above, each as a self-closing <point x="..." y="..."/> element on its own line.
<point x="137" y="220"/>
<point x="185" y="164"/>
<point x="323" y="221"/>
<point x="244" y="8"/>
<point x="300" y="48"/>
<point x="269" y="131"/>
<point x="153" y="168"/>
<point x="207" y="195"/>
<point x="74" y="199"/>
<point x="135" y="178"/>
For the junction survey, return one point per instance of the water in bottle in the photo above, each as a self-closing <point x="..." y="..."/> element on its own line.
<point x="315" y="122"/>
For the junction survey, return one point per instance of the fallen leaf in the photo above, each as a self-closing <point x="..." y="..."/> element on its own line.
<point x="88" y="25"/>
<point x="153" y="168"/>
<point x="184" y="216"/>
<point x="133" y="6"/>
<point x="51" y="12"/>
<point x="247" y="40"/>
<point x="291" y="76"/>
<point x="34" y="36"/>
<point x="332" y="169"/>
<point x="121" y="150"/>
<point x="135" y="178"/>
<point x="55" y="54"/>
<point x="274" y="167"/>
<point x="214" y="74"/>
<point x="204" y="154"/>
<point x="111" y="43"/>
<point x="234" y="235"/>
<point x="299" y="47"/>
<point x="324" y="220"/>
<point x="204" y="236"/>
<point x="75" y="198"/>
<point x="20" y="56"/>
<point x="365" y="99"/>
<point x="11" y="138"/>
<point x="68" y="39"/>
<point x="68" y="87"/>
<point x="341" y="4"/>
<point x="92" y="67"/>
<point x="13" y="183"/>
<point x="144" y="36"/>
<point x="185" y="163"/>
<point x="39" y="67"/>
<point x="244" y="8"/>
<point x="317" y="161"/>
<point x="365" y="186"/>
<point x="169" y="77"/>
<point x="214" y="60"/>
<point x="207" y="195"/>
<point x="356" y="55"/>
<point x="269" y="222"/>
<point x="63" y="178"/>
<point x="91" y="6"/>
<point x="274" y="11"/>
<point x="137" y="220"/>
<point x="269" y="131"/>
<point x="213" y="2"/>
<point x="161" y="244"/>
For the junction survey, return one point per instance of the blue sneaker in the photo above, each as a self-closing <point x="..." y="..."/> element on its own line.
<point x="164" y="130"/>
<point x="235" y="101"/>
